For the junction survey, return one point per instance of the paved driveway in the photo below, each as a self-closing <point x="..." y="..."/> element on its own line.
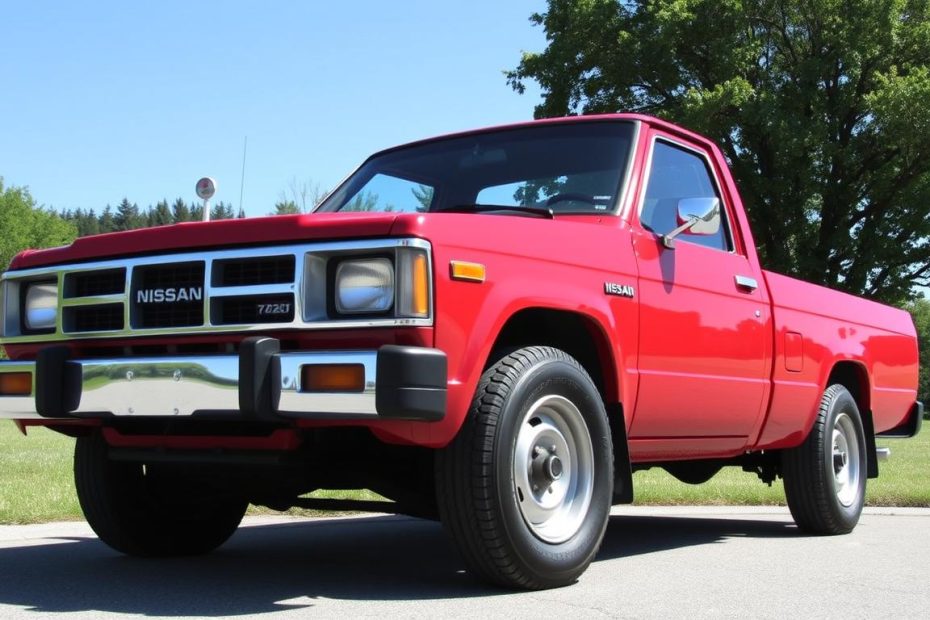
<point x="655" y="563"/>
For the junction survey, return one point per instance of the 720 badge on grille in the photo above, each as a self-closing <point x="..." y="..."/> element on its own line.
<point x="273" y="309"/>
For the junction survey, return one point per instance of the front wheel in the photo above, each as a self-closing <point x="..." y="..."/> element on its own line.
<point x="525" y="488"/>
<point x="825" y="476"/>
<point x="151" y="511"/>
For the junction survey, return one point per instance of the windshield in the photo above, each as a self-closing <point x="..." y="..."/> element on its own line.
<point x="569" y="168"/>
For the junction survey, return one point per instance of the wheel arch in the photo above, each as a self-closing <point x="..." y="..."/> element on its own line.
<point x="584" y="338"/>
<point x="579" y="335"/>
<point x="854" y="377"/>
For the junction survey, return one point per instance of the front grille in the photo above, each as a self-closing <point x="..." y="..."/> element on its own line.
<point x="198" y="292"/>
<point x="93" y="283"/>
<point x="253" y="271"/>
<point x="99" y="318"/>
<point x="253" y="309"/>
<point x="168" y="295"/>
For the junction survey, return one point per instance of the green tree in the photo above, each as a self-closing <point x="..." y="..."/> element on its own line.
<point x="127" y="216"/>
<point x="920" y="311"/>
<point x="107" y="222"/>
<point x="822" y="108"/>
<point x="86" y="222"/>
<point x="160" y="215"/>
<point x="222" y="211"/>
<point x="26" y="225"/>
<point x="285" y="207"/>
<point x="180" y="212"/>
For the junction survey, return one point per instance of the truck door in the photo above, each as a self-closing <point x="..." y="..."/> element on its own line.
<point x="703" y="338"/>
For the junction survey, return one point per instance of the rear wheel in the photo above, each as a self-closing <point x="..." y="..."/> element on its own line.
<point x="525" y="487"/>
<point x="825" y="476"/>
<point x="155" y="510"/>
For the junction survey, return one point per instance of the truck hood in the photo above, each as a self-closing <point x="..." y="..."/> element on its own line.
<point x="216" y="234"/>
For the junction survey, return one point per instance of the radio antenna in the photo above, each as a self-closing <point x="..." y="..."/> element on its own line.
<point x="245" y="144"/>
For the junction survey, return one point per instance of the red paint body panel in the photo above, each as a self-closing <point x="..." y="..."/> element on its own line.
<point x="703" y="368"/>
<point x="216" y="234"/>
<point x="835" y="327"/>
<point x="523" y="272"/>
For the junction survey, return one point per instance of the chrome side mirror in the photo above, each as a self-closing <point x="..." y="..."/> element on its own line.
<point x="696" y="216"/>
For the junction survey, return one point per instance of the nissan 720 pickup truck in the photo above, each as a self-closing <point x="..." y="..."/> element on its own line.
<point x="494" y="328"/>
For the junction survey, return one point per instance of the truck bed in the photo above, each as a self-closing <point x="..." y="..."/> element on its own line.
<point x="815" y="328"/>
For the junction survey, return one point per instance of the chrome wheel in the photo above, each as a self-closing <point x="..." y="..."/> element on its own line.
<point x="845" y="460"/>
<point x="553" y="469"/>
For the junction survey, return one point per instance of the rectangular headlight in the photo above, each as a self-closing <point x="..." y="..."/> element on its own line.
<point x="364" y="286"/>
<point x="40" y="306"/>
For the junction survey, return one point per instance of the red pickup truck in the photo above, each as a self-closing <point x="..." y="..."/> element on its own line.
<point x="494" y="328"/>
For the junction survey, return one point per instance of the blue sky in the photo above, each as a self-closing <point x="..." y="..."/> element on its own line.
<point x="104" y="100"/>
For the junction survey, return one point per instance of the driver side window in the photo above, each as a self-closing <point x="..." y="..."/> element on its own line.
<point x="676" y="174"/>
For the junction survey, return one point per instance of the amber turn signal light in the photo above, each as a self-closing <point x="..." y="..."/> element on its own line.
<point x="332" y="378"/>
<point x="420" y="286"/>
<point x="16" y="384"/>
<point x="470" y="272"/>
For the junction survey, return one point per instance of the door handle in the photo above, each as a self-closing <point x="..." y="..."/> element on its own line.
<point x="745" y="282"/>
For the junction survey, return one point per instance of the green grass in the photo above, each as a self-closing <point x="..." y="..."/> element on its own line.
<point x="902" y="481"/>
<point x="36" y="482"/>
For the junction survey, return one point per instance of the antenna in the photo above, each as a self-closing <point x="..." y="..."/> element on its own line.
<point x="245" y="144"/>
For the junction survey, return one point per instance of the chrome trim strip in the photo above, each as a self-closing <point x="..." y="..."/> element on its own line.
<point x="99" y="300"/>
<point x="182" y="386"/>
<point x="296" y="403"/>
<point x="252" y="289"/>
<point x="320" y="251"/>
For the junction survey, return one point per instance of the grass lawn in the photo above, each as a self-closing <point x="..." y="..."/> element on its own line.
<point x="903" y="481"/>
<point x="36" y="481"/>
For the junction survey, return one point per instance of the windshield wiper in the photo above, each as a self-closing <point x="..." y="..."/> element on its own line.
<point x="485" y="208"/>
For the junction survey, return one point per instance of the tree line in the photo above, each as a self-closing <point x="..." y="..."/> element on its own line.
<point x="128" y="216"/>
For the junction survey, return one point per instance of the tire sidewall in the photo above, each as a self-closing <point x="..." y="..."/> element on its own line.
<point x="844" y="403"/>
<point x="548" y="562"/>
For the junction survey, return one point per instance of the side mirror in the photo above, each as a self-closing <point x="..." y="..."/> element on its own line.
<point x="696" y="216"/>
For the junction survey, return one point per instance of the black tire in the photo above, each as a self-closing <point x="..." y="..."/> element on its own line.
<point x="825" y="476"/>
<point x="152" y="511"/>
<point x="518" y="403"/>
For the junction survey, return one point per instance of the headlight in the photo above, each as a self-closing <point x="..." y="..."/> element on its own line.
<point x="41" y="306"/>
<point x="364" y="286"/>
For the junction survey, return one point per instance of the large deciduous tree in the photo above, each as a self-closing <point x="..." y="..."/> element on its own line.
<point x="25" y="225"/>
<point x="821" y="106"/>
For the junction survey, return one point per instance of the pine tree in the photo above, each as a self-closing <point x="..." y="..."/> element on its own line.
<point x="106" y="220"/>
<point x="127" y="216"/>
<point x="222" y="211"/>
<point x="180" y="212"/>
<point x="160" y="215"/>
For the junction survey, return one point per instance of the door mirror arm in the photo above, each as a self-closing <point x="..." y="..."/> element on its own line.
<point x="696" y="216"/>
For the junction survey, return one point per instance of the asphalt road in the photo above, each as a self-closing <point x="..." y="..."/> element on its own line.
<point x="655" y="563"/>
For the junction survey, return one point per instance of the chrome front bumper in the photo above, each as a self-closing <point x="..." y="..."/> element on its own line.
<point x="259" y="383"/>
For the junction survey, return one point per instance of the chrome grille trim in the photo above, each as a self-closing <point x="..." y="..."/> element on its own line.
<point x="308" y="257"/>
